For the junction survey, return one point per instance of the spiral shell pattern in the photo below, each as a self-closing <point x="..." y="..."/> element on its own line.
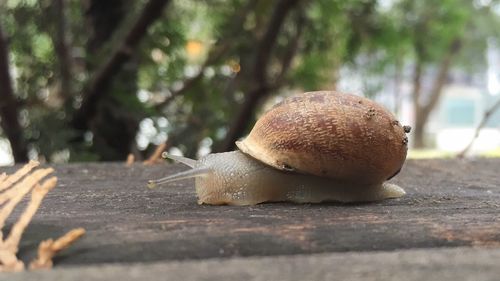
<point x="329" y="134"/>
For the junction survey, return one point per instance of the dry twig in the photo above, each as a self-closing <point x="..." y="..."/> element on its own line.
<point x="9" y="180"/>
<point x="130" y="160"/>
<point x="487" y="114"/>
<point x="9" y="107"/>
<point x="103" y="76"/>
<point x="49" y="248"/>
<point x="37" y="196"/>
<point x="13" y="189"/>
<point x="156" y="157"/>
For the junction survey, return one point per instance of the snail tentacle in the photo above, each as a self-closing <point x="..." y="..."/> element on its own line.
<point x="184" y="160"/>
<point x="196" y="172"/>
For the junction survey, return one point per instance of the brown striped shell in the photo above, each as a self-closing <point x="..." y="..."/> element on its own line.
<point x="330" y="134"/>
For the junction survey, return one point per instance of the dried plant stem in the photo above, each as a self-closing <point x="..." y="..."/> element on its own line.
<point x="13" y="189"/>
<point x="37" y="196"/>
<point x="487" y="114"/>
<point x="130" y="160"/>
<point x="156" y="156"/>
<point x="3" y="177"/>
<point x="49" y="248"/>
<point x="9" y="207"/>
<point x="26" y="183"/>
<point x="17" y="193"/>
<point x="7" y="181"/>
<point x="9" y="261"/>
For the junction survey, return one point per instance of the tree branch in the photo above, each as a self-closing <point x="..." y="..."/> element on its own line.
<point x="267" y="43"/>
<point x="417" y="84"/>
<point x="261" y="66"/>
<point x="9" y="110"/>
<point x="291" y="51"/>
<point x="423" y="111"/>
<point x="102" y="78"/>
<point x="487" y="114"/>
<point x="442" y="76"/>
<point x="62" y="48"/>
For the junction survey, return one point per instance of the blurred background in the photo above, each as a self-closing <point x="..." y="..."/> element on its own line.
<point x="97" y="80"/>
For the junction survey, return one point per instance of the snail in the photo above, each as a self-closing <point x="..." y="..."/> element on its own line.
<point x="309" y="148"/>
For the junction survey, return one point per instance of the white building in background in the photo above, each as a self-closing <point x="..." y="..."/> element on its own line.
<point x="458" y="114"/>
<point x="461" y="107"/>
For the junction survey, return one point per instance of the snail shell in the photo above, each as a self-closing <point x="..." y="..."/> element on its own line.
<point x="329" y="134"/>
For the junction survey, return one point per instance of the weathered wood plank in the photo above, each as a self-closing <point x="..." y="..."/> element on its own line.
<point x="449" y="203"/>
<point x="410" y="265"/>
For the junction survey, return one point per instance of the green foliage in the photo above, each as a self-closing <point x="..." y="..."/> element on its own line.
<point x="219" y="38"/>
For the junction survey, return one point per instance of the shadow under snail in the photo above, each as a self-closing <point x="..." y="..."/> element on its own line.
<point x="309" y="148"/>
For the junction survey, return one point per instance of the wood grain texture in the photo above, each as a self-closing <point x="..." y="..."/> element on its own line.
<point x="449" y="203"/>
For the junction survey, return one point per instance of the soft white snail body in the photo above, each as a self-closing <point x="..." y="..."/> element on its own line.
<point x="312" y="147"/>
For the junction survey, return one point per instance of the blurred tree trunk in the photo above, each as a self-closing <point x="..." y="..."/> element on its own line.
<point x="114" y="125"/>
<point x="113" y="131"/>
<point x="423" y="110"/>
<point x="260" y="74"/>
<point x="9" y="111"/>
<point x="418" y="134"/>
<point x="398" y="80"/>
<point x="62" y="49"/>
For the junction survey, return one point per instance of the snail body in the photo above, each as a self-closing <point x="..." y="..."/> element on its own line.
<point x="312" y="147"/>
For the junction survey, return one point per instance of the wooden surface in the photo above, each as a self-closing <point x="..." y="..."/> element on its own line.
<point x="457" y="264"/>
<point x="450" y="203"/>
